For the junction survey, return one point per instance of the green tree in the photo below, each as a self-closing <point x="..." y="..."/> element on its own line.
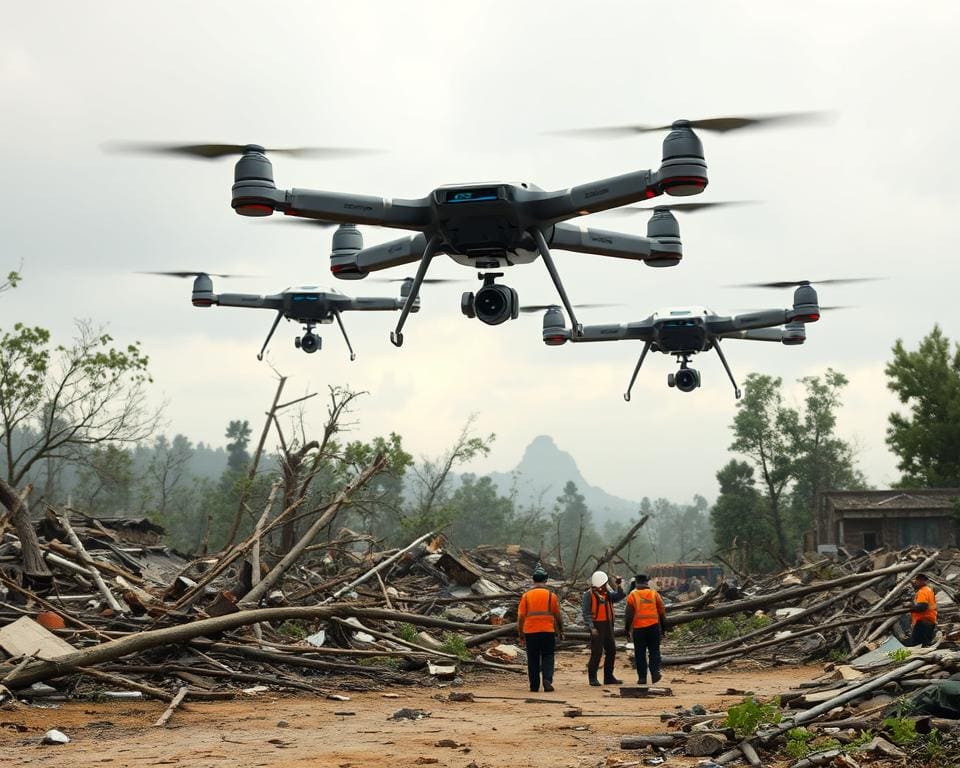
<point x="759" y="433"/>
<point x="57" y="401"/>
<point x="13" y="279"/>
<point x="107" y="481"/>
<point x="926" y="439"/>
<point x="740" y="523"/>
<point x="481" y="515"/>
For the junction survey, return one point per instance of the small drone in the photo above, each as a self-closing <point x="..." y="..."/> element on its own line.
<point x="485" y="226"/>
<point x="687" y="331"/>
<point x="306" y="304"/>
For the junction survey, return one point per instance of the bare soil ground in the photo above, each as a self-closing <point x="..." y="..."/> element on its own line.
<point x="488" y="733"/>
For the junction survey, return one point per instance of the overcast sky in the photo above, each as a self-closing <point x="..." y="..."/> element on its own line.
<point x="459" y="92"/>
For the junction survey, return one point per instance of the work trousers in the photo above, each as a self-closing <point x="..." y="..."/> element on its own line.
<point x="541" y="647"/>
<point x="646" y="641"/>
<point x="602" y="644"/>
<point x="923" y="632"/>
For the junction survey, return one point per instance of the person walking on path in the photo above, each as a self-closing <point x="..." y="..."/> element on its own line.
<point x="923" y="612"/>
<point x="539" y="623"/>
<point x="646" y="620"/>
<point x="597" y="609"/>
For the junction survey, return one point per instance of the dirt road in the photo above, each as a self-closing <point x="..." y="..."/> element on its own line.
<point x="281" y="731"/>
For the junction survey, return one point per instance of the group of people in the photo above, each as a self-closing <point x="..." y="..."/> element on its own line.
<point x="540" y="625"/>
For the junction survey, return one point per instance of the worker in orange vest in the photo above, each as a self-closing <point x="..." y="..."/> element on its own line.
<point x="597" y="611"/>
<point x="923" y="612"/>
<point x="539" y="623"/>
<point x="646" y="620"/>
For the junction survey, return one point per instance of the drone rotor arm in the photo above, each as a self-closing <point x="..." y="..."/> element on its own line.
<point x="393" y="253"/>
<point x="602" y="242"/>
<point x="616" y="332"/>
<point x="373" y="304"/>
<point x="248" y="300"/>
<point x="763" y="318"/>
<point x="596" y="196"/>
<point x="357" y="209"/>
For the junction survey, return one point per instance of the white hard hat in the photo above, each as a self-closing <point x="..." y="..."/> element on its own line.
<point x="598" y="579"/>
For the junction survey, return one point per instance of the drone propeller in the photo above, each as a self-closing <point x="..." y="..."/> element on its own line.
<point x="632" y="210"/>
<point x="716" y="124"/>
<point x="543" y="307"/>
<point x="216" y="151"/>
<point x="432" y="280"/>
<point x="797" y="283"/>
<point x="190" y="274"/>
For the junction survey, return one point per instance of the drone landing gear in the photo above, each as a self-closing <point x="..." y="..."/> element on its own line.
<point x="736" y="389"/>
<point x="646" y="348"/>
<point x="555" y="276"/>
<point x="346" y="338"/>
<point x="396" y="336"/>
<point x="273" y="327"/>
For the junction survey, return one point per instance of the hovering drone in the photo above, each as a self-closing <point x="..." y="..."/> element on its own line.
<point x="306" y="304"/>
<point x="486" y="226"/>
<point x="687" y="331"/>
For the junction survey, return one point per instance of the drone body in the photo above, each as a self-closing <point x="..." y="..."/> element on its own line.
<point x="309" y="304"/>
<point x="488" y="225"/>
<point x="684" y="332"/>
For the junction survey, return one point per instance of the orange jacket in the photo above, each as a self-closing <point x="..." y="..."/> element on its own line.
<point x="539" y="611"/>
<point x="925" y="595"/>
<point x="644" y="608"/>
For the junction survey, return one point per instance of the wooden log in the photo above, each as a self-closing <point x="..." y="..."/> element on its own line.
<point x="664" y="740"/>
<point x="704" y="744"/>
<point x="168" y="712"/>
<point x="750" y="754"/>
<point x="119" y="681"/>
<point x="85" y="558"/>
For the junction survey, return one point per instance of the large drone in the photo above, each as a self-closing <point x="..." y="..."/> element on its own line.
<point x="307" y="304"/>
<point x="685" y="332"/>
<point x="486" y="226"/>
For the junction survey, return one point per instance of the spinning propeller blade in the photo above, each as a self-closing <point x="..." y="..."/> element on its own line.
<point x="190" y="274"/>
<point x="432" y="280"/>
<point x="632" y="210"/>
<point x="216" y="151"/>
<point x="716" y="124"/>
<point x="544" y="307"/>
<point x="796" y="283"/>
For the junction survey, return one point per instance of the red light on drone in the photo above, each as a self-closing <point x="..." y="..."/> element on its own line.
<point x="253" y="209"/>
<point x="554" y="341"/>
<point x="203" y="302"/>
<point x="812" y="317"/>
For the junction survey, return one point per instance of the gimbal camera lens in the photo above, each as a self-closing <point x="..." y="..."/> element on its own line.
<point x="309" y="342"/>
<point x="493" y="304"/>
<point x="687" y="379"/>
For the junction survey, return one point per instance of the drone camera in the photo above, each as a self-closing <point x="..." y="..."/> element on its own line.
<point x="686" y="379"/>
<point x="492" y="304"/>
<point x="253" y="170"/>
<point x="309" y="342"/>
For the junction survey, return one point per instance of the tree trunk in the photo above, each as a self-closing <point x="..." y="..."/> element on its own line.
<point x="31" y="555"/>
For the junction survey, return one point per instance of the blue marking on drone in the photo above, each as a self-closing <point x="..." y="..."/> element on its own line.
<point x="467" y="199"/>
<point x="306" y="298"/>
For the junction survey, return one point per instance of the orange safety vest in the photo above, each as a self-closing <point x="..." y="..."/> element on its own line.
<point x="647" y="607"/>
<point x="925" y="595"/>
<point x="598" y="608"/>
<point x="536" y="611"/>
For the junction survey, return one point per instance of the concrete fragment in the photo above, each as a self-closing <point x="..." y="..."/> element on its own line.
<point x="54" y="736"/>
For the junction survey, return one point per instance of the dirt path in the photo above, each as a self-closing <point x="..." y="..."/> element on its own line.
<point x="492" y="733"/>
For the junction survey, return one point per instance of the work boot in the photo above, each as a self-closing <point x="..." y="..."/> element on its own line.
<point x="548" y="687"/>
<point x="655" y="677"/>
<point x="593" y="679"/>
<point x="611" y="680"/>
